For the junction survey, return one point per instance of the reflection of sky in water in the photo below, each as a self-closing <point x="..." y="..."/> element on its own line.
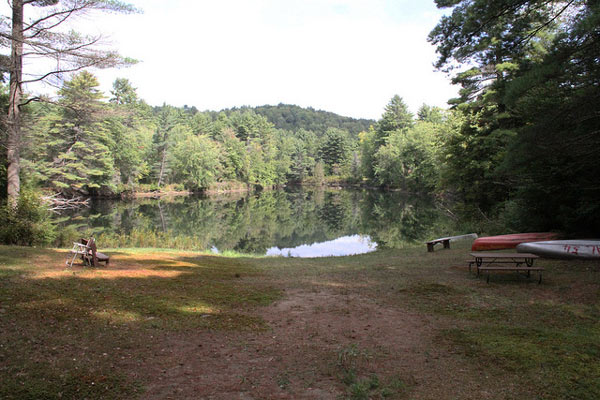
<point x="344" y="246"/>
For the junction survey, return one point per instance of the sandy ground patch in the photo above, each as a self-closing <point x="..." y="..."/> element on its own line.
<point x="313" y="336"/>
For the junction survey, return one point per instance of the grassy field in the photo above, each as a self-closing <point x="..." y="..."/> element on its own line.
<point x="390" y="324"/>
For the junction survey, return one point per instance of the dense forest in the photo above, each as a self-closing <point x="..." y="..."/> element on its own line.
<point x="516" y="151"/>
<point x="293" y="118"/>
<point x="95" y="144"/>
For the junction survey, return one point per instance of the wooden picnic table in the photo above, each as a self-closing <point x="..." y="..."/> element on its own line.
<point x="490" y="261"/>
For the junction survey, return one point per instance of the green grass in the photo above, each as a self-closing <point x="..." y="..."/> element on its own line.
<point x="78" y="334"/>
<point x="60" y="328"/>
<point x="352" y="364"/>
<point x="547" y="336"/>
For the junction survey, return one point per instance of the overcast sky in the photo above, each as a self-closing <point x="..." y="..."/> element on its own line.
<point x="345" y="56"/>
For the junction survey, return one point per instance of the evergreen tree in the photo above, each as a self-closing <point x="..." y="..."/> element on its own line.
<point x="76" y="154"/>
<point x="162" y="141"/>
<point x="396" y="117"/>
<point x="529" y="100"/>
<point x="430" y="114"/>
<point x="123" y="92"/>
<point x="334" y="150"/>
<point x="43" y="37"/>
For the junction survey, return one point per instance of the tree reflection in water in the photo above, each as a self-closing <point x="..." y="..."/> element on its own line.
<point x="285" y="219"/>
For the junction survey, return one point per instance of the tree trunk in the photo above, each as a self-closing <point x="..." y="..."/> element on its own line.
<point x="162" y="166"/>
<point x="14" y="114"/>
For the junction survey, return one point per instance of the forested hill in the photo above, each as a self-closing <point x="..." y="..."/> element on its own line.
<point x="293" y="118"/>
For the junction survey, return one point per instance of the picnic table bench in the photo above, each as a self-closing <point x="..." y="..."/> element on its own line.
<point x="491" y="261"/>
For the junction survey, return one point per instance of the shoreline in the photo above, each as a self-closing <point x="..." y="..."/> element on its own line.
<point x="219" y="191"/>
<point x="232" y="189"/>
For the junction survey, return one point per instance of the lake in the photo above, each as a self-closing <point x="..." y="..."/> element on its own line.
<point x="297" y="222"/>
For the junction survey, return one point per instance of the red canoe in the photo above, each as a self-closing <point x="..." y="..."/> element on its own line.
<point x="510" y="241"/>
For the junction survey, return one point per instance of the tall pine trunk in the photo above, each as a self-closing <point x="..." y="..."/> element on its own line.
<point x="14" y="113"/>
<point x="163" y="162"/>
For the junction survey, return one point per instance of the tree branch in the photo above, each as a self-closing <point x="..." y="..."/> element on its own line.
<point x="47" y="28"/>
<point x="61" y="71"/>
<point x="37" y="98"/>
<point x="43" y="47"/>
<point x="68" y="13"/>
<point x="545" y="24"/>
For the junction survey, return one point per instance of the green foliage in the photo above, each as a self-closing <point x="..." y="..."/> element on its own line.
<point x="334" y="150"/>
<point x="530" y="101"/>
<point x="532" y="120"/>
<point x="233" y="157"/>
<point x="294" y="118"/>
<point x="123" y="92"/>
<point x="395" y="118"/>
<point x="74" y="140"/>
<point x="400" y="153"/>
<point x="247" y="125"/>
<point x="556" y="154"/>
<point x="473" y="153"/>
<point x="319" y="174"/>
<point x="196" y="162"/>
<point x="167" y="119"/>
<point x="128" y="146"/>
<point x="261" y="171"/>
<point x="28" y="224"/>
<point x="431" y="114"/>
<point x="368" y="148"/>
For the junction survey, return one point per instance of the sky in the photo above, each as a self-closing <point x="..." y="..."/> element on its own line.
<point x="346" y="56"/>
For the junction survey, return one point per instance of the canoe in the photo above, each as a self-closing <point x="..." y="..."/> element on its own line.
<point x="570" y="249"/>
<point x="510" y="241"/>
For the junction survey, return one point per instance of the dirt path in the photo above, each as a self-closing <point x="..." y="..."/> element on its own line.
<point x="314" y="340"/>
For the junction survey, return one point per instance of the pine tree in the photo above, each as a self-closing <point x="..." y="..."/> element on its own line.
<point x="77" y="152"/>
<point x="44" y="37"/>
<point x="396" y="117"/>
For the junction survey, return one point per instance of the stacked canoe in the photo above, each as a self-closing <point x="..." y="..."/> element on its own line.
<point x="568" y="249"/>
<point x="541" y="244"/>
<point x="510" y="241"/>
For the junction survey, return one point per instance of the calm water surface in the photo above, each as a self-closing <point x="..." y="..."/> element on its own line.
<point x="297" y="222"/>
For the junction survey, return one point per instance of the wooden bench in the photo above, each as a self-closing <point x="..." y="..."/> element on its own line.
<point x="88" y="252"/>
<point x="431" y="243"/>
<point x="489" y="261"/>
<point x="446" y="241"/>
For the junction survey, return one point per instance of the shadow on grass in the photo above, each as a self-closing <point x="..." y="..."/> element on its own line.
<point x="65" y="335"/>
<point x="70" y="334"/>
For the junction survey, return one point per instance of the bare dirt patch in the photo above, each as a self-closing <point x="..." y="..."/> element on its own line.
<point x="314" y="338"/>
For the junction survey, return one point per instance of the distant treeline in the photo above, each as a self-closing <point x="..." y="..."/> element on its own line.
<point x="293" y="118"/>
<point x="85" y="145"/>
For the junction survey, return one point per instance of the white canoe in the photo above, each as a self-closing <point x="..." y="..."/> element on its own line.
<point x="582" y="249"/>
